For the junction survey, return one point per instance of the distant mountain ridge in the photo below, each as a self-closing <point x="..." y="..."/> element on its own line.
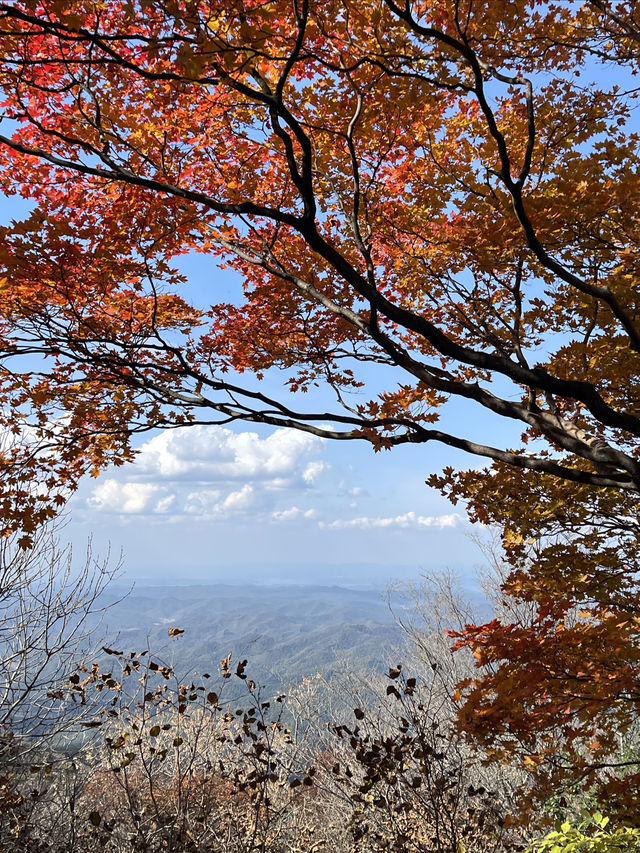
<point x="286" y="632"/>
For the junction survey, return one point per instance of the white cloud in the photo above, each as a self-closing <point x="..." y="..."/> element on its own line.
<point x="202" y="502"/>
<point x="164" y="504"/>
<point x="209" y="503"/>
<point x="112" y="496"/>
<point x="313" y="471"/>
<point x="294" y="513"/>
<point x="212" y="473"/>
<point x="216" y="453"/>
<point x="409" y="519"/>
<point x="242" y="499"/>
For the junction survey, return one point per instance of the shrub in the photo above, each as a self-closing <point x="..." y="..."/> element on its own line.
<point x="591" y="835"/>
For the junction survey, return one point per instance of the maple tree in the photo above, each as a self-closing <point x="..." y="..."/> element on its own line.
<point x="424" y="202"/>
<point x="388" y="194"/>
<point x="557" y="690"/>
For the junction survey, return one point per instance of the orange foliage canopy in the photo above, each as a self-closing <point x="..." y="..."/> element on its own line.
<point x="424" y="202"/>
<point x="558" y="687"/>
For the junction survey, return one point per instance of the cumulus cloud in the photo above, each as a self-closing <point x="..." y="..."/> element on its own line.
<point x="407" y="520"/>
<point x="313" y="471"/>
<point x="294" y="513"/>
<point x="240" y="499"/>
<point x="112" y="496"/>
<point x="202" y="502"/>
<point x="213" y="473"/>
<point x="205" y="453"/>
<point x="210" y="504"/>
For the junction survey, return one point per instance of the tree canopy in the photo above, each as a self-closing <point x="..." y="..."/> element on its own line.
<point x="425" y="188"/>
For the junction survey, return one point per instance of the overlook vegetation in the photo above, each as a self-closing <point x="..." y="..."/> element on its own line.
<point x="346" y="759"/>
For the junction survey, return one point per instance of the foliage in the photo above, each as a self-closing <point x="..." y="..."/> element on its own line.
<point x="187" y="765"/>
<point x="210" y="763"/>
<point x="410" y="780"/>
<point x="590" y="836"/>
<point x="404" y="194"/>
<point x="556" y="687"/>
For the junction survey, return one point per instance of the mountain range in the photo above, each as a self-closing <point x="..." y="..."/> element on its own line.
<point x="286" y="632"/>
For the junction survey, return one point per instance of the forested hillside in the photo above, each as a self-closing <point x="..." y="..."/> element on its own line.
<point x="287" y="632"/>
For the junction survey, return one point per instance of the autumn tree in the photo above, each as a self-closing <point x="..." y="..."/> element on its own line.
<point x="560" y="664"/>
<point x="50" y="606"/>
<point x="397" y="186"/>
<point x="203" y="763"/>
<point x="424" y="202"/>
